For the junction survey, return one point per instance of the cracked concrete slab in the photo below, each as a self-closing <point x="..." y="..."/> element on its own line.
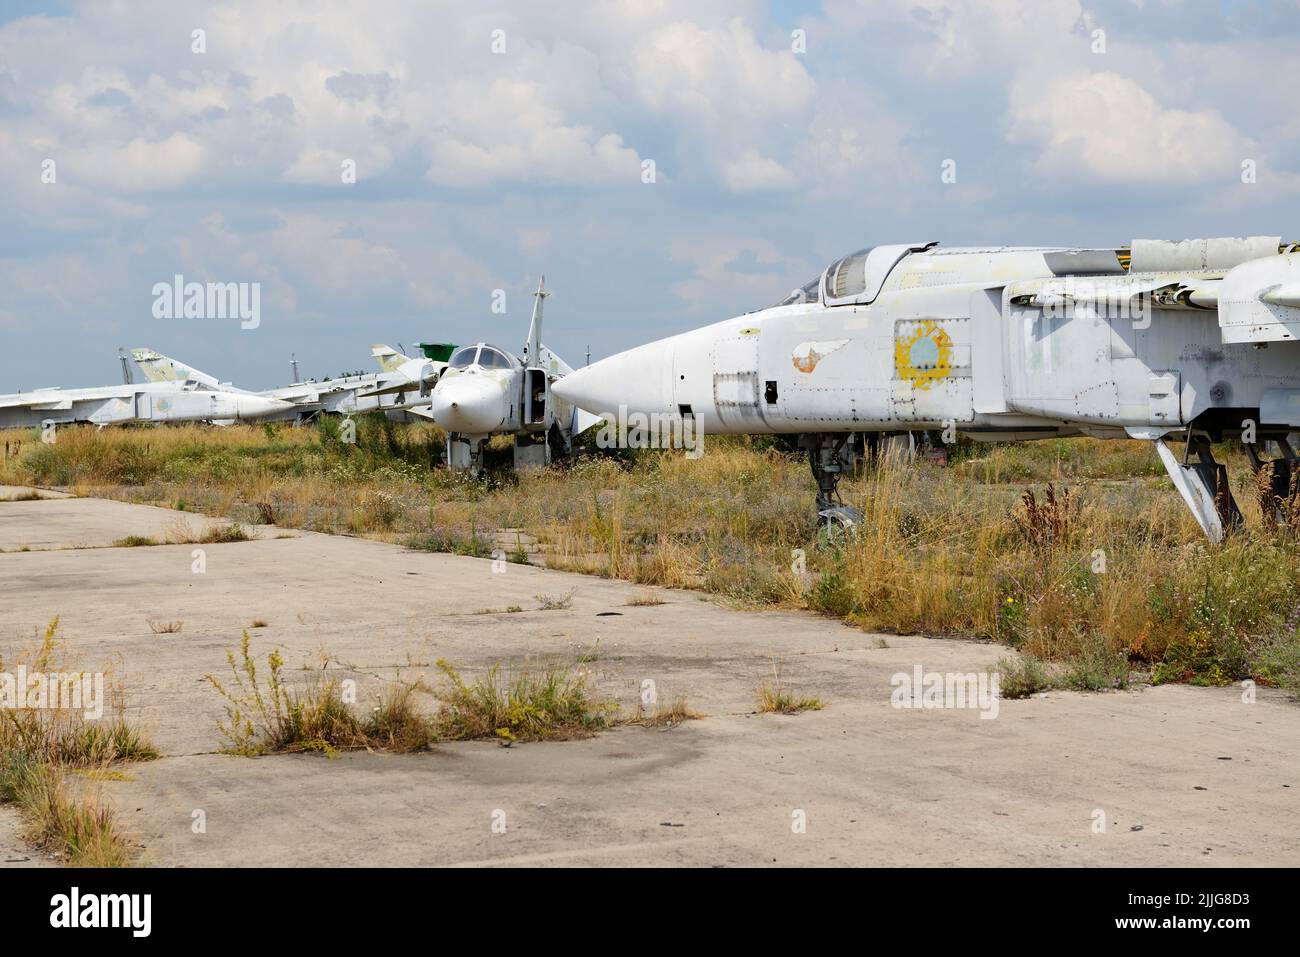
<point x="1181" y="775"/>
<point x="59" y="521"/>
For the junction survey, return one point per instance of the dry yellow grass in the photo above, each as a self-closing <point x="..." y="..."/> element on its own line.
<point x="942" y="550"/>
<point x="665" y="715"/>
<point x="41" y="747"/>
<point x="774" y="697"/>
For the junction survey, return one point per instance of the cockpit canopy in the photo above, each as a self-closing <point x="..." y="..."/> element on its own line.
<point x="855" y="278"/>
<point x="847" y="277"/>
<point x="810" y="292"/>
<point x="844" y="278"/>
<point x="482" y="355"/>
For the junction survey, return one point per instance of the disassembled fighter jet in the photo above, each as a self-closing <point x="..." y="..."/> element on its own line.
<point x="135" y="402"/>
<point x="1160" y="340"/>
<point x="401" y="382"/>
<point x="487" y="391"/>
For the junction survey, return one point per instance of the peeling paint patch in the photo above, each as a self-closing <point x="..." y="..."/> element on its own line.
<point x="806" y="355"/>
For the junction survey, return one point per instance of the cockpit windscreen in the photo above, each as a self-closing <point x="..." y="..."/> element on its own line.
<point x="490" y="357"/>
<point x="812" y="292"/>
<point x="462" y="358"/>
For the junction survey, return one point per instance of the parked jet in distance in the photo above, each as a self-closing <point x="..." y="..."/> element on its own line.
<point x="487" y="391"/>
<point x="401" y="382"/>
<point x="140" y="402"/>
<point x="1192" y="340"/>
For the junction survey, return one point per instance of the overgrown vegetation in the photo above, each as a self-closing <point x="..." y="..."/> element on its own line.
<point x="532" y="704"/>
<point x="775" y="698"/>
<point x="40" y="747"/>
<point x="665" y="715"/>
<point x="644" y="599"/>
<point x="1020" y="677"/>
<point x="1075" y="551"/>
<point x="265" y="715"/>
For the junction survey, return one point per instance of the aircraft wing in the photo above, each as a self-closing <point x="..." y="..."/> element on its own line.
<point x="1256" y="301"/>
<point x="416" y="376"/>
<point x="405" y="386"/>
<point x="39" y="403"/>
<point x="296" y="396"/>
<point x="1117" y="291"/>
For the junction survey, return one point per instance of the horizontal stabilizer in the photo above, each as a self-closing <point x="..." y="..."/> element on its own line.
<point x="584" y="420"/>
<point x="552" y="363"/>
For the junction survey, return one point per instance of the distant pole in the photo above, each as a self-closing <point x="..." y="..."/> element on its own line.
<point x="293" y="362"/>
<point x="589" y="354"/>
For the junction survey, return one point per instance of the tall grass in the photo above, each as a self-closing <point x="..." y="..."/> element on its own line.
<point x="531" y="704"/>
<point x="943" y="551"/>
<point x="267" y="714"/>
<point x="40" y="747"/>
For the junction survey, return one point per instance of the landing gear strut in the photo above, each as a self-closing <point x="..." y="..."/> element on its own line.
<point x="1203" y="484"/>
<point x="465" y="453"/>
<point x="830" y="454"/>
<point x="1214" y="476"/>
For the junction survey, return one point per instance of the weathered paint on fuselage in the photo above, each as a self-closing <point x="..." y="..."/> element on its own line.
<point x="944" y="343"/>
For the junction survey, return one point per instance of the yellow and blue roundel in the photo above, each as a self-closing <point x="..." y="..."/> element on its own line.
<point x="925" y="356"/>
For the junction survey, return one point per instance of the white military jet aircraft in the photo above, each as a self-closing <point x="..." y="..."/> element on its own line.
<point x="400" y="376"/>
<point x="1192" y="340"/>
<point x="487" y="391"/>
<point x="139" y="402"/>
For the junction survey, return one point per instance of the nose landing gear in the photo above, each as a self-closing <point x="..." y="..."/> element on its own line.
<point x="465" y="453"/>
<point x="830" y="454"/>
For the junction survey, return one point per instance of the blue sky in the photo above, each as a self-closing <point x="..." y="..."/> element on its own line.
<point x="477" y="170"/>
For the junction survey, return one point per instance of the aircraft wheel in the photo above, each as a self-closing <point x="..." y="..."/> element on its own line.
<point x="837" y="526"/>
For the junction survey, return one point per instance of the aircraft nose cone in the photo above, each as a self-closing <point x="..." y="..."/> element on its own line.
<point x="255" y="406"/>
<point x="468" y="404"/>
<point x="639" y="380"/>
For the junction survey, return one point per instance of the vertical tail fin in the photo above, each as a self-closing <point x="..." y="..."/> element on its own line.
<point x="159" y="368"/>
<point x="534" y="346"/>
<point x="389" y="359"/>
